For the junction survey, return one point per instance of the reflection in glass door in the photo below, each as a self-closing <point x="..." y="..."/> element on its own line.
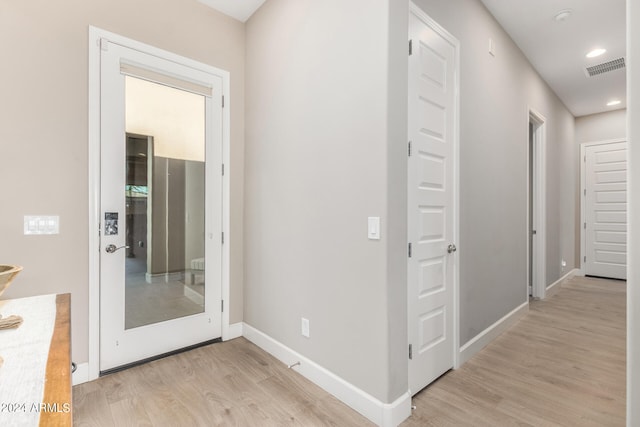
<point x="164" y="191"/>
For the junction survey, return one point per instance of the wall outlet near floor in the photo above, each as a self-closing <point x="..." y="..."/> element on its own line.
<point x="563" y="264"/>
<point x="305" y="327"/>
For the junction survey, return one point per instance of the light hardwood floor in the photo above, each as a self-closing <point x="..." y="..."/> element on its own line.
<point x="561" y="365"/>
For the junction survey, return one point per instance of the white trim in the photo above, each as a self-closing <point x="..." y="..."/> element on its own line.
<point x="553" y="288"/>
<point x="95" y="35"/>
<point x="81" y="375"/>
<point x="226" y="207"/>
<point x="94" y="203"/>
<point x="485" y="337"/>
<point x="193" y="295"/>
<point x="233" y="331"/>
<point x="383" y="414"/>
<point x="583" y="186"/>
<point x="539" y="204"/>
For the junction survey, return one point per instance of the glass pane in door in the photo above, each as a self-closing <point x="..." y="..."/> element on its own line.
<point x="165" y="203"/>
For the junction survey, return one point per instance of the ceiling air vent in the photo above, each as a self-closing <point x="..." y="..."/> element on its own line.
<point x="605" y="67"/>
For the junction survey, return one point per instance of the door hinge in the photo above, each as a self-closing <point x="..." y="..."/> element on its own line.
<point x="585" y="258"/>
<point x="223" y="169"/>
<point x="585" y="225"/>
<point x="585" y="158"/>
<point x="410" y="47"/>
<point x="222" y="237"/>
<point x="409" y="148"/>
<point x="222" y="306"/>
<point x="409" y="250"/>
<point x="410" y="351"/>
<point x="534" y="232"/>
<point x="222" y="101"/>
<point x="585" y="192"/>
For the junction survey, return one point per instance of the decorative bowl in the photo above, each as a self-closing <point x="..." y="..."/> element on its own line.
<point x="7" y="274"/>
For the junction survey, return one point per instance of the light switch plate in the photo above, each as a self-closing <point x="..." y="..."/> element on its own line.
<point x="41" y="224"/>
<point x="374" y="227"/>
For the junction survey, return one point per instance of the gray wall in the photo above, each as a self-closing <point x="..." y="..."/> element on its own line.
<point x="633" y="255"/>
<point x="602" y="126"/>
<point x="325" y="154"/>
<point x="44" y="128"/>
<point x="496" y="94"/>
<point x="319" y="162"/>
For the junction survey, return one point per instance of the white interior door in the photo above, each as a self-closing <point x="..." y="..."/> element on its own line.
<point x="605" y="205"/>
<point x="431" y="200"/>
<point x="160" y="245"/>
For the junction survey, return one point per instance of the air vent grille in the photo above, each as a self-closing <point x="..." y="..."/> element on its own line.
<point x="605" y="67"/>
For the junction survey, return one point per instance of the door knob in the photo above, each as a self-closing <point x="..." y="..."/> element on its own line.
<point x="451" y="248"/>
<point x="112" y="248"/>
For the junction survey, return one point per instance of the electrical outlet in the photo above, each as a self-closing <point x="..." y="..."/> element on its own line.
<point x="305" y="327"/>
<point x="563" y="264"/>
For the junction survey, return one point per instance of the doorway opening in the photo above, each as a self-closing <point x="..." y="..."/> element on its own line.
<point x="536" y="212"/>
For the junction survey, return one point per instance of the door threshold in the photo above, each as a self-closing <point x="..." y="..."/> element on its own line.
<point x="158" y="357"/>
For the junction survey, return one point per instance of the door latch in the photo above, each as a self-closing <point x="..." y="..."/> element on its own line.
<point x="112" y="248"/>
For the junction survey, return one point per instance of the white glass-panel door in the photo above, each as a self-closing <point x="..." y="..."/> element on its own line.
<point x="161" y="204"/>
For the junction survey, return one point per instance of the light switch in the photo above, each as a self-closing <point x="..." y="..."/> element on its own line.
<point x="41" y="224"/>
<point x="374" y="227"/>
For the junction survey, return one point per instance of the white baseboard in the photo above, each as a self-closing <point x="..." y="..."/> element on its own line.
<point x="192" y="295"/>
<point x="383" y="414"/>
<point x="481" y="340"/>
<point x="81" y="375"/>
<point x="555" y="286"/>
<point x="232" y="332"/>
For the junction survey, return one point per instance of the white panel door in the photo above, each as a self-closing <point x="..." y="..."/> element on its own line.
<point x="606" y="210"/>
<point x="159" y="227"/>
<point x="431" y="200"/>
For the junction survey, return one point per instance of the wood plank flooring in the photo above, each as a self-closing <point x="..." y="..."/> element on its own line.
<point x="561" y="365"/>
<point x="227" y="384"/>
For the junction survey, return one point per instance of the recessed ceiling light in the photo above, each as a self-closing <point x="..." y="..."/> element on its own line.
<point x="613" y="102"/>
<point x="563" y="15"/>
<point x="596" y="52"/>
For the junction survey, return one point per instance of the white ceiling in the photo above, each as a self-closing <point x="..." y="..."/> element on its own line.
<point x="238" y="9"/>
<point x="557" y="49"/>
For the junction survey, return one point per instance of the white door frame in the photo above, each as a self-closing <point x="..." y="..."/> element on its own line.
<point x="413" y="8"/>
<point x="95" y="36"/>
<point x="539" y="205"/>
<point x="583" y="187"/>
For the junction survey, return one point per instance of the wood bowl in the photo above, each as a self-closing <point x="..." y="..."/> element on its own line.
<point x="7" y="274"/>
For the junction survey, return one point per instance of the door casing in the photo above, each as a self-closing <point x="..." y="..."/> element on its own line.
<point x="539" y="206"/>
<point x="95" y="37"/>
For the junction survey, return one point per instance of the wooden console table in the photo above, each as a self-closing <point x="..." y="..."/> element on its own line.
<point x="57" y="388"/>
<point x="54" y="409"/>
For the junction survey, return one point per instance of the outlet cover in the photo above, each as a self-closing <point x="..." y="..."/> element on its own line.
<point x="305" y="327"/>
